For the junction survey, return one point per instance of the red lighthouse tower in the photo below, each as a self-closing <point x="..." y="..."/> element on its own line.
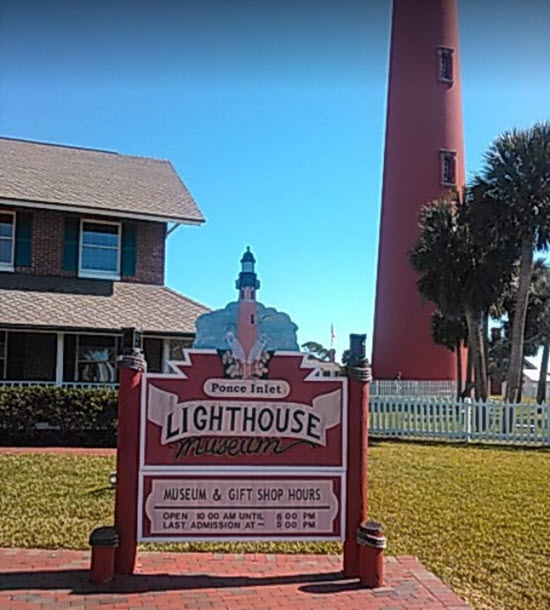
<point x="424" y="159"/>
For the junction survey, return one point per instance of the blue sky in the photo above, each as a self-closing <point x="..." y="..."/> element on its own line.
<point x="273" y="115"/>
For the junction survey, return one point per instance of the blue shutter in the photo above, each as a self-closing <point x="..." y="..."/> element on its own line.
<point x="23" y="239"/>
<point x="70" y="244"/>
<point x="128" y="256"/>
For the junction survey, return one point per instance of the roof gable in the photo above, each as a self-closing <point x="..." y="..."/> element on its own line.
<point x="57" y="176"/>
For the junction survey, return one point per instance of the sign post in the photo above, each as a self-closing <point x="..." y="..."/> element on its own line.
<point x="131" y="368"/>
<point x="245" y="439"/>
<point x="242" y="459"/>
<point x="358" y="413"/>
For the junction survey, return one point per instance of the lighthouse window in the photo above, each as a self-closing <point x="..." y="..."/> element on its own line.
<point x="252" y="319"/>
<point x="445" y="64"/>
<point x="448" y="168"/>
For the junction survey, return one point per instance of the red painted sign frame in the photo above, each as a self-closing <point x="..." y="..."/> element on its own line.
<point x="183" y="390"/>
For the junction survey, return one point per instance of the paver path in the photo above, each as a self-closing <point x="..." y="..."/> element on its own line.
<point x="59" y="579"/>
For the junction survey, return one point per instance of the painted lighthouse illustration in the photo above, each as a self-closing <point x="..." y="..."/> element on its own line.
<point x="247" y="322"/>
<point x="423" y="161"/>
<point x="245" y="332"/>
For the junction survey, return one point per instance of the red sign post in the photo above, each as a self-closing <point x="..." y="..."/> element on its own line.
<point x="203" y="457"/>
<point x="244" y="440"/>
<point x="242" y="459"/>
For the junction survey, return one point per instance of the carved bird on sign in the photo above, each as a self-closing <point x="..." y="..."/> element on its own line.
<point x="236" y="347"/>
<point x="257" y="349"/>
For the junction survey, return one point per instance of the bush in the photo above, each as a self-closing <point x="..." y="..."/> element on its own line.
<point x="53" y="416"/>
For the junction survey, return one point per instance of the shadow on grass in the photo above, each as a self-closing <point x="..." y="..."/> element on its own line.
<point x="101" y="491"/>
<point x="77" y="582"/>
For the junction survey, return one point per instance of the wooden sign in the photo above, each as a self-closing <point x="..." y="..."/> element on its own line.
<point x="227" y="458"/>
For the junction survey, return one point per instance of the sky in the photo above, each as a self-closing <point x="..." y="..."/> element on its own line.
<point x="273" y="115"/>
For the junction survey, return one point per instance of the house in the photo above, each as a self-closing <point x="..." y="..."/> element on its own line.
<point x="82" y="251"/>
<point x="531" y="376"/>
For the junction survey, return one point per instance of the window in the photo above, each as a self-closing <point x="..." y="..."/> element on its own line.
<point x="448" y="168"/>
<point x="177" y="347"/>
<point x="100" y="250"/>
<point x="445" y="65"/>
<point x="7" y="240"/>
<point x="96" y="359"/>
<point x="152" y="350"/>
<point x="3" y="353"/>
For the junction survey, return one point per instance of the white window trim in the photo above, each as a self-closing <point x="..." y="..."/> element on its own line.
<point x="10" y="266"/>
<point x="440" y="52"/>
<point x="99" y="275"/>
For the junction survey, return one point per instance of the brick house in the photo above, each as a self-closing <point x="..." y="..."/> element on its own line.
<point x="82" y="251"/>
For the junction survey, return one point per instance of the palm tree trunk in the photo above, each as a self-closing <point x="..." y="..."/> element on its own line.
<point x="485" y="326"/>
<point x="458" y="351"/>
<point x="515" y="369"/>
<point x="475" y="343"/>
<point x="469" y="372"/>
<point x="541" y="386"/>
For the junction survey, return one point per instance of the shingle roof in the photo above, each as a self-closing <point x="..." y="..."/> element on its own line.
<point x="54" y="302"/>
<point x="70" y="177"/>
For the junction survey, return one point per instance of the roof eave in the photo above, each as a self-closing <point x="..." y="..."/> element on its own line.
<point x="68" y="207"/>
<point x="90" y="329"/>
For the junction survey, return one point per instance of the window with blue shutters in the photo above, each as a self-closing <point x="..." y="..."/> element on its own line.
<point x="100" y="249"/>
<point x="100" y="243"/>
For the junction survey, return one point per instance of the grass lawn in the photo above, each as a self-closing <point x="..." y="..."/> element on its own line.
<point x="478" y="517"/>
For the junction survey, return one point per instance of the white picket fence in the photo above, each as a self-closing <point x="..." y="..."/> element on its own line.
<point x="395" y="387"/>
<point x="447" y="420"/>
<point x="69" y="385"/>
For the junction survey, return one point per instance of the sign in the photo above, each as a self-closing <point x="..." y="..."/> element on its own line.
<point x="244" y="438"/>
<point x="194" y="417"/>
<point x="241" y="507"/>
<point x="242" y="458"/>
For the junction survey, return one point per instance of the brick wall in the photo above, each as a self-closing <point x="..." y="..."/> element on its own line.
<point x="150" y="253"/>
<point x="47" y="244"/>
<point x="48" y="229"/>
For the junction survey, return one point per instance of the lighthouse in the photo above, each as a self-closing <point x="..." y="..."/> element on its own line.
<point x="423" y="161"/>
<point x="247" y="320"/>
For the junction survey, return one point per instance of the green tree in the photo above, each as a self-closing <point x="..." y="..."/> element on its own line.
<point x="317" y="350"/>
<point x="537" y="325"/>
<point x="516" y="179"/>
<point x="451" y="332"/>
<point x="459" y="270"/>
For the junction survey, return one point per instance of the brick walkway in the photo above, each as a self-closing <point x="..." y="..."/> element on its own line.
<point x="59" y="579"/>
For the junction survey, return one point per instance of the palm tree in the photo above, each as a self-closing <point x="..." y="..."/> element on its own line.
<point x="516" y="178"/>
<point x="537" y="320"/>
<point x="460" y="271"/>
<point x="537" y="326"/>
<point x="451" y="332"/>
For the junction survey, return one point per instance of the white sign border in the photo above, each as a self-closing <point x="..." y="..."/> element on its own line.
<point x="273" y="538"/>
<point x="250" y="471"/>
